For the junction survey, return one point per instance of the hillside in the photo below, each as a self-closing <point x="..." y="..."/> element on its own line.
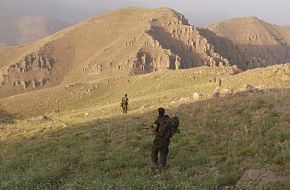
<point x="131" y="40"/>
<point x="18" y="30"/>
<point x="250" y="42"/>
<point x="29" y="20"/>
<point x="90" y="145"/>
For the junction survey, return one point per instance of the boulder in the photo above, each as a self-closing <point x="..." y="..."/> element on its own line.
<point x="184" y="99"/>
<point x="235" y="70"/>
<point x="226" y="91"/>
<point x="197" y="96"/>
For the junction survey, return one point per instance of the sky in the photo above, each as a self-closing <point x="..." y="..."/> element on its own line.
<point x="198" y="12"/>
<point x="202" y="12"/>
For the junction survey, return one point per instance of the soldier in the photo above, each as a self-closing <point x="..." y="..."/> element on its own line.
<point x="143" y="62"/>
<point x="124" y="104"/>
<point x="177" y="62"/>
<point x="161" y="141"/>
<point x="220" y="82"/>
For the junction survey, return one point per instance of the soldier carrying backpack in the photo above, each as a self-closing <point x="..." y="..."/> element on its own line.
<point x="164" y="128"/>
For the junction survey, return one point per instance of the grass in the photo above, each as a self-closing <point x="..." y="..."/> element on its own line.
<point x="90" y="145"/>
<point x="114" y="153"/>
<point x="6" y="118"/>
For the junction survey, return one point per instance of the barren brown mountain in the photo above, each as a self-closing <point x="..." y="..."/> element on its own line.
<point x="138" y="41"/>
<point x="132" y="39"/>
<point x="250" y="42"/>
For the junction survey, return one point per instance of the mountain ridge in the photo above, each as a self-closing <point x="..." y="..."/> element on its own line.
<point x="137" y="40"/>
<point x="252" y="42"/>
<point x="133" y="39"/>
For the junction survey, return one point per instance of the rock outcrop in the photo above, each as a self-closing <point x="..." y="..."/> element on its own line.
<point x="167" y="42"/>
<point x="249" y="42"/>
<point x="32" y="71"/>
<point x="128" y="41"/>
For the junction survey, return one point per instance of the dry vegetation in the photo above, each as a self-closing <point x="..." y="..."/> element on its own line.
<point x="90" y="145"/>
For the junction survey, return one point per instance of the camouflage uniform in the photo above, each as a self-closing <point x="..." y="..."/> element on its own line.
<point x="124" y="104"/>
<point x="161" y="142"/>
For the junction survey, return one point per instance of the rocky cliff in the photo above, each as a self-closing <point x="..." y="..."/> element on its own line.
<point x="250" y="42"/>
<point x="133" y="40"/>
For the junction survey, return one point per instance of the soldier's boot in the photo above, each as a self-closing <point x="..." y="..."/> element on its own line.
<point x="162" y="164"/>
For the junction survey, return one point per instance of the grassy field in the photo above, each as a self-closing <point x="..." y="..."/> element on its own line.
<point x="90" y="145"/>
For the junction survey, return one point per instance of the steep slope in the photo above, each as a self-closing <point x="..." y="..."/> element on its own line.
<point x="17" y="30"/>
<point x="132" y="39"/>
<point x="250" y="42"/>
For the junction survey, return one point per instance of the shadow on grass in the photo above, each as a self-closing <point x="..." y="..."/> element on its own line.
<point x="6" y="118"/>
<point x="220" y="139"/>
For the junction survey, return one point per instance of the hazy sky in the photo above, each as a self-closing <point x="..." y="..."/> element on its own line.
<point x="198" y="12"/>
<point x="208" y="11"/>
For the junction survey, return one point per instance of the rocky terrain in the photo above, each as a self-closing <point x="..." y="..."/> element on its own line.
<point x="250" y="42"/>
<point x="135" y="40"/>
<point x="139" y="41"/>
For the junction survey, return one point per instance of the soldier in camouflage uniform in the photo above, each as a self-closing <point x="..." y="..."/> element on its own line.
<point x="124" y="104"/>
<point x="161" y="141"/>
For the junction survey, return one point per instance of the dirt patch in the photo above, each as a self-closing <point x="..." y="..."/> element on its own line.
<point x="262" y="178"/>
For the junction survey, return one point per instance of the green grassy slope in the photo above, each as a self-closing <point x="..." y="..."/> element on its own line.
<point x="90" y="145"/>
<point x="213" y="149"/>
<point x="159" y="88"/>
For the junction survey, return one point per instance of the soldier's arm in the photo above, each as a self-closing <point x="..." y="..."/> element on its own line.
<point x="152" y="128"/>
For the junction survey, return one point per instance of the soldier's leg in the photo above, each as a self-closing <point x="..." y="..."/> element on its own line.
<point x="154" y="154"/>
<point x="163" y="154"/>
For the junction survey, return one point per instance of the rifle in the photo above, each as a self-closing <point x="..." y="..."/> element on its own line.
<point x="146" y="127"/>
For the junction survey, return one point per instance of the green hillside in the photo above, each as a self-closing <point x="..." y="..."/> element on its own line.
<point x="91" y="145"/>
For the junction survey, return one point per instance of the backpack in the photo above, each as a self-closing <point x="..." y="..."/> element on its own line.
<point x="171" y="126"/>
<point x="175" y="125"/>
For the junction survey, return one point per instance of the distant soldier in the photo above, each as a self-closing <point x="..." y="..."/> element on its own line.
<point x="216" y="93"/>
<point x="161" y="141"/>
<point x="143" y="62"/>
<point x="177" y="62"/>
<point x="220" y="82"/>
<point x="124" y="104"/>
